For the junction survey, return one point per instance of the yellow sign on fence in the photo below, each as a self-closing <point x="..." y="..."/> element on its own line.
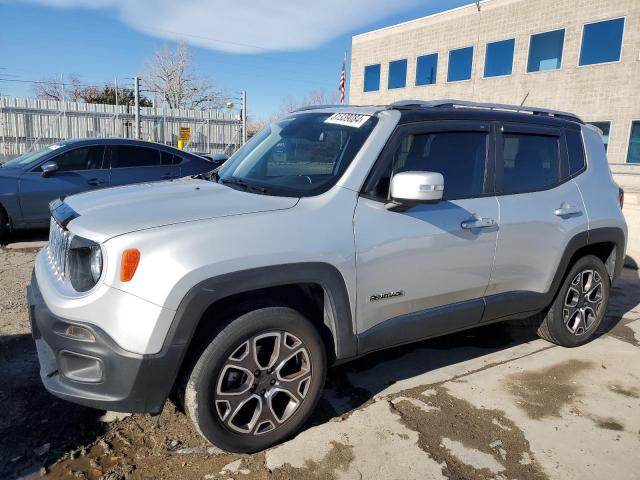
<point x="185" y="134"/>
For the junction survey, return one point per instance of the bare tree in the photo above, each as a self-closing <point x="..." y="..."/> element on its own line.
<point x="170" y="75"/>
<point x="60" y="88"/>
<point x="290" y="103"/>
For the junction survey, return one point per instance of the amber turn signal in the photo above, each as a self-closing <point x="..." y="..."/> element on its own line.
<point x="129" y="265"/>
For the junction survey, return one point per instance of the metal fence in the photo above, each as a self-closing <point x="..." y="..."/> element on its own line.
<point x="27" y="124"/>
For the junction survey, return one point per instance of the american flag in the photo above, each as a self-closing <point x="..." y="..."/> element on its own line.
<point x="343" y="79"/>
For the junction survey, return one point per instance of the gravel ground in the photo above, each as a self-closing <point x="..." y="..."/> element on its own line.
<point x="393" y="414"/>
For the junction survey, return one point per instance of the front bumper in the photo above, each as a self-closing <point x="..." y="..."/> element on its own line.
<point x="98" y="373"/>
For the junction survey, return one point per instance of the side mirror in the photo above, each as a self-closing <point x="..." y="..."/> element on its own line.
<point x="49" y="168"/>
<point x="219" y="158"/>
<point x="412" y="188"/>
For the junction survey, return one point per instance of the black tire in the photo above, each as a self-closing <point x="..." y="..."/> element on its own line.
<point x="557" y="323"/>
<point x="4" y="225"/>
<point x="204" y="400"/>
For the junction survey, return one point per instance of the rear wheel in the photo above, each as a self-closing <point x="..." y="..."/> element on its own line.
<point x="257" y="381"/>
<point x="579" y="306"/>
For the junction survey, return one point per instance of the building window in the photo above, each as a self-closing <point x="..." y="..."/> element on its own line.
<point x="499" y="58"/>
<point x="427" y="69"/>
<point x="601" y="42"/>
<point x="633" y="154"/>
<point x="372" y="78"/>
<point x="545" y="51"/>
<point x="398" y="74"/>
<point x="605" y="127"/>
<point x="460" y="63"/>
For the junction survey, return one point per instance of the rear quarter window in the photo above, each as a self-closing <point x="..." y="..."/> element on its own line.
<point x="576" y="151"/>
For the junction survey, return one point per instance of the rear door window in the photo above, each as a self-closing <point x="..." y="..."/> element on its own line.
<point x="530" y="162"/>
<point x="124" y="156"/>
<point x="167" y="158"/>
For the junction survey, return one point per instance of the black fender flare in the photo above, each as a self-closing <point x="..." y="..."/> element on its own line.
<point x="337" y="317"/>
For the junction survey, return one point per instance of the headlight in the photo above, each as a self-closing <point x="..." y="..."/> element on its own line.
<point x="84" y="264"/>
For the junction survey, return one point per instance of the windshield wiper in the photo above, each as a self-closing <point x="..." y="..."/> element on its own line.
<point x="241" y="183"/>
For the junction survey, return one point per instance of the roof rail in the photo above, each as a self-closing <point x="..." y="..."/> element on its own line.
<point x="316" y="107"/>
<point x="449" y="103"/>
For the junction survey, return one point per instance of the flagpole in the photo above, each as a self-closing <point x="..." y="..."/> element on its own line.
<point x="342" y="85"/>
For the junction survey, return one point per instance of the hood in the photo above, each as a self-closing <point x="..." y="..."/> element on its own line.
<point x="107" y="213"/>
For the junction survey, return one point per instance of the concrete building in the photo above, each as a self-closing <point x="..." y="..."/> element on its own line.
<point x="581" y="56"/>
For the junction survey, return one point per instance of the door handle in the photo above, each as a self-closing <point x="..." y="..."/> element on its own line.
<point x="95" y="182"/>
<point x="478" y="222"/>
<point x="566" y="209"/>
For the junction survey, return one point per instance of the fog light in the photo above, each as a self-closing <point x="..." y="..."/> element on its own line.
<point x="79" y="333"/>
<point x="81" y="368"/>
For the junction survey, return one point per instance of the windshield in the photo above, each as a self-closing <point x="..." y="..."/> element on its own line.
<point x="30" y="157"/>
<point x="299" y="156"/>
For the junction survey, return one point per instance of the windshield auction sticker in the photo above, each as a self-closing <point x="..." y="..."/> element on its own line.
<point x="355" y="120"/>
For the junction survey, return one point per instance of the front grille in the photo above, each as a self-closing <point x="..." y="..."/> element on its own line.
<point x="58" y="248"/>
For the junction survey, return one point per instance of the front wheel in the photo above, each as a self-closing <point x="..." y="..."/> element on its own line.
<point x="579" y="306"/>
<point x="258" y="380"/>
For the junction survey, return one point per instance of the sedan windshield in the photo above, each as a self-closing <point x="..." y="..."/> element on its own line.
<point x="299" y="156"/>
<point x="30" y="157"/>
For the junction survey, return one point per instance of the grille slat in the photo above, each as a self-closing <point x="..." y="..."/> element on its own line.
<point x="58" y="249"/>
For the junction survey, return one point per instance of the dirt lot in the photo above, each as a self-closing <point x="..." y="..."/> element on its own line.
<point x="495" y="402"/>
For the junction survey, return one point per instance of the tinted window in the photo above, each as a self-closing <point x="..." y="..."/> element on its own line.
<point x="427" y="69"/>
<point x="132" y="156"/>
<point x="605" y="128"/>
<point x="460" y="63"/>
<point x="372" y="78"/>
<point x="458" y="156"/>
<point x="576" y="151"/>
<point x="602" y="42"/>
<point x="545" y="51"/>
<point x="167" y="158"/>
<point x="633" y="154"/>
<point x="87" y="158"/>
<point x="530" y="162"/>
<point x="499" y="58"/>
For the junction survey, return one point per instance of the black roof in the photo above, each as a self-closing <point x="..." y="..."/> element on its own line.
<point x="419" y="110"/>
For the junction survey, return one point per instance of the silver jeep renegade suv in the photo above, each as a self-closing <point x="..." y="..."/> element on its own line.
<point x="333" y="233"/>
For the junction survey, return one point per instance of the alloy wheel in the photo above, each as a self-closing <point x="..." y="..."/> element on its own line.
<point x="583" y="302"/>
<point x="263" y="383"/>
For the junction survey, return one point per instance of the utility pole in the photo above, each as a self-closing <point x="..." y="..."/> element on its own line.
<point x="136" y="89"/>
<point x="244" y="117"/>
<point x="115" y="86"/>
<point x="64" y="108"/>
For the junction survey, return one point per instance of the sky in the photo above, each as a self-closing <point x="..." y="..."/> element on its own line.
<point x="272" y="49"/>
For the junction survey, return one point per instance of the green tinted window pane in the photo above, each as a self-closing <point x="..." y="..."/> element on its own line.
<point x="372" y="78"/>
<point x="605" y="127"/>
<point x="398" y="74"/>
<point x="427" y="69"/>
<point x="633" y="154"/>
<point x="499" y="58"/>
<point x="460" y="64"/>
<point x="602" y="42"/>
<point x="545" y="51"/>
